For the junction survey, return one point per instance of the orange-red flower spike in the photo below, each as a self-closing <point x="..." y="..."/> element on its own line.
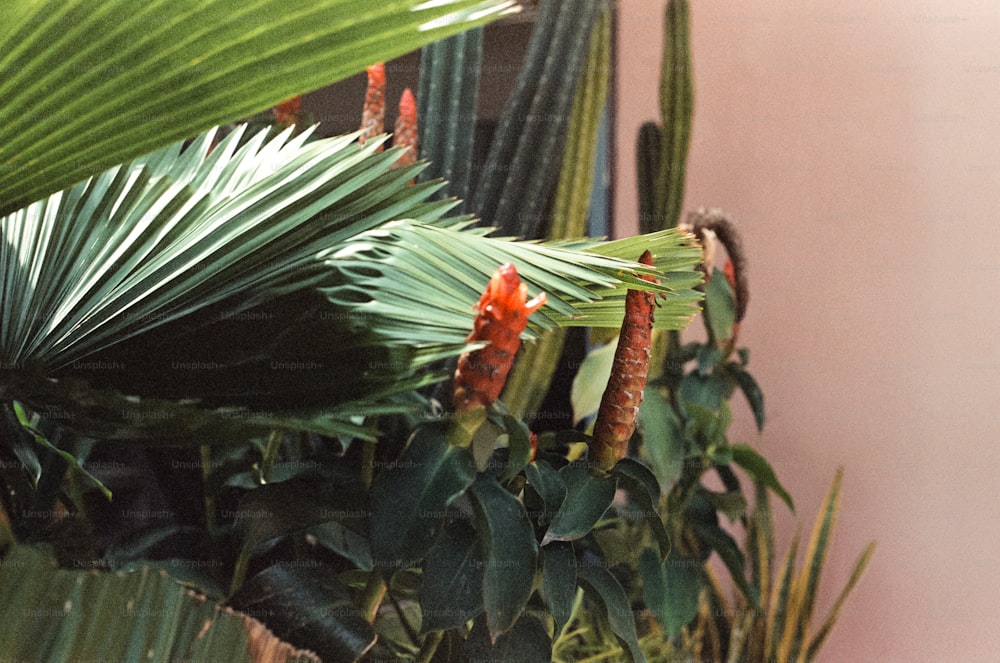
<point x="287" y="112"/>
<point x="503" y="315"/>
<point x="620" y="402"/>
<point x="373" y="113"/>
<point x="405" y="132"/>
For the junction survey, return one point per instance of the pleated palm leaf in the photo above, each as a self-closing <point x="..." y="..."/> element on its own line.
<point x="214" y="284"/>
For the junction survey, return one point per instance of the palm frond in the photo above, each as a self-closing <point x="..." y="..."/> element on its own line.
<point x="190" y="275"/>
<point x="90" y="85"/>
<point x="160" y="239"/>
<point x="417" y="283"/>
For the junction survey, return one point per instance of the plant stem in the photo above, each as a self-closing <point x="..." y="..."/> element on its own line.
<point x="274" y="441"/>
<point x="430" y="646"/>
<point x="372" y="596"/>
<point x="206" y="474"/>
<point x="240" y="570"/>
<point x="367" y="463"/>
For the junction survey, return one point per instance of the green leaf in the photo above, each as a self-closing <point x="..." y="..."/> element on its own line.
<point x="308" y="604"/>
<point x="721" y="542"/>
<point x="806" y="585"/>
<point x="519" y="444"/>
<point x="706" y="391"/>
<point x="605" y="589"/>
<point x="344" y="541"/>
<point x="512" y="553"/>
<point x="559" y="582"/>
<point x="277" y="509"/>
<point x="859" y="568"/>
<point x="751" y="461"/>
<point x="550" y="487"/>
<point x="53" y="614"/>
<point x="755" y="397"/>
<point x="730" y="503"/>
<point x="29" y="423"/>
<point x="671" y="588"/>
<point x="591" y="380"/>
<point x="415" y="284"/>
<point x="451" y="590"/>
<point x="87" y="87"/>
<point x="645" y="490"/>
<point x="409" y="500"/>
<point x="587" y="499"/>
<point x="720" y="307"/>
<point x="526" y="642"/>
<point x="663" y="440"/>
<point x="22" y="444"/>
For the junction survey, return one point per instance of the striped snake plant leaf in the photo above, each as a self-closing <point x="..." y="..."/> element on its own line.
<point x="90" y="85"/>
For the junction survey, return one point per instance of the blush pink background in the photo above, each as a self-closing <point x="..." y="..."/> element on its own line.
<point x="858" y="146"/>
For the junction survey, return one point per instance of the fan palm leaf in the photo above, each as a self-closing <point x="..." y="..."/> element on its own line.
<point x="86" y="85"/>
<point x="266" y="283"/>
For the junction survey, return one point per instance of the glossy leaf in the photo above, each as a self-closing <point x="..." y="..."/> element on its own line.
<point x="346" y="542"/>
<point x="753" y="393"/>
<point x="671" y="588"/>
<point x="549" y="485"/>
<point x="29" y="423"/>
<point x="591" y="380"/>
<point x="663" y="440"/>
<point x="587" y="499"/>
<point x="526" y="642"/>
<point x="729" y="552"/>
<point x="758" y="466"/>
<point x="277" y="509"/>
<point x="451" y="589"/>
<point x="559" y="582"/>
<point x="519" y="444"/>
<point x="645" y="490"/>
<point x="409" y="500"/>
<point x="308" y="604"/>
<point x="511" y="557"/>
<point x="605" y="589"/>
<point x="704" y="391"/>
<point x="721" y="307"/>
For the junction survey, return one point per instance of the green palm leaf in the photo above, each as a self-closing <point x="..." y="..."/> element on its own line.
<point x="168" y="235"/>
<point x="89" y="85"/>
<point x="265" y="284"/>
<point x="191" y="274"/>
<point x="416" y="284"/>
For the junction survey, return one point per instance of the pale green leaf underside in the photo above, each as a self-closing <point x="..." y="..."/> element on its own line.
<point x="87" y="85"/>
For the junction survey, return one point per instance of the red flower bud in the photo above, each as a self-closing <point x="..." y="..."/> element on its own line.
<point x="287" y="112"/>
<point x="373" y="113"/>
<point x="503" y="315"/>
<point x="405" y="132"/>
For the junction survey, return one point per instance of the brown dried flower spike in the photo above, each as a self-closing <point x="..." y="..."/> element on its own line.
<point x="620" y="402"/>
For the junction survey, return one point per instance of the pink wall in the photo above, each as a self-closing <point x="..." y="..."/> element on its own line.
<point x="858" y="145"/>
